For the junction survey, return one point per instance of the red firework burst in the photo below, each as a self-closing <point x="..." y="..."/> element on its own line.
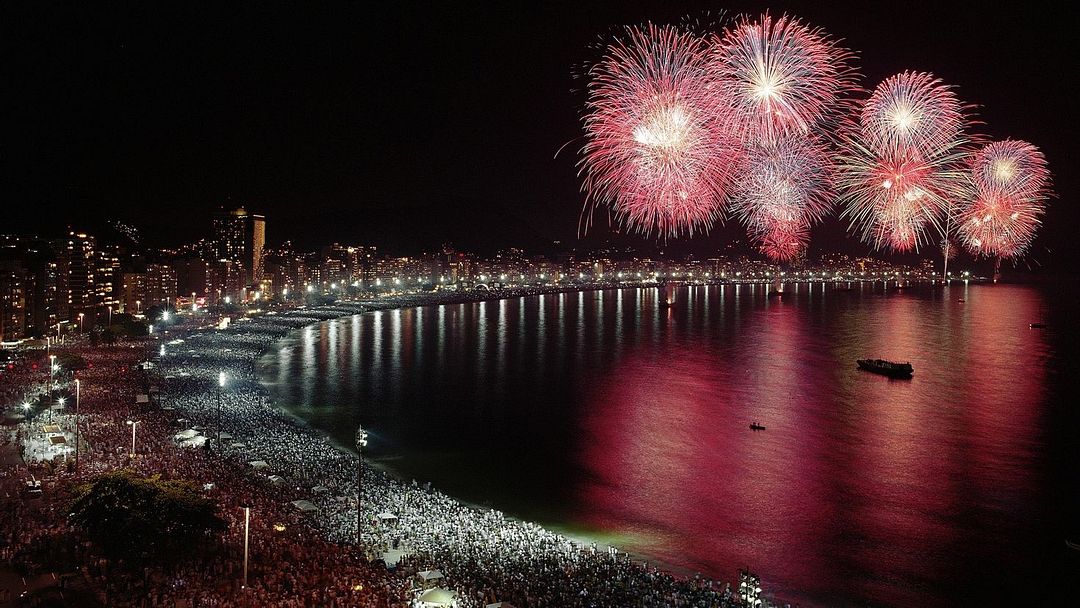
<point x="783" y="183"/>
<point x="912" y="111"/>
<point x="781" y="77"/>
<point x="1010" y="190"/>
<point x="782" y="241"/>
<point x="656" y="148"/>
<point x="892" y="200"/>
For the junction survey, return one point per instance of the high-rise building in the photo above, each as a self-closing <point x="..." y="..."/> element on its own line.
<point x="12" y="300"/>
<point x="240" y="237"/>
<point x="76" y="262"/>
<point x="27" y="287"/>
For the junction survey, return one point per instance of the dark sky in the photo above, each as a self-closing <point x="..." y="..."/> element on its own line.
<point x="405" y="123"/>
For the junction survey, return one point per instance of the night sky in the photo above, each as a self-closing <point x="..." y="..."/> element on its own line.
<point x="406" y="125"/>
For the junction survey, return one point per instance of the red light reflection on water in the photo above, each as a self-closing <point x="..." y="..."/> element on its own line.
<point x="861" y="486"/>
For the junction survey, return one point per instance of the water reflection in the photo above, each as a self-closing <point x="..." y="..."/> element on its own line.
<point x="600" y="411"/>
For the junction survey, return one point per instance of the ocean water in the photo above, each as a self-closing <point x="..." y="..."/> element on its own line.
<point x="598" y="413"/>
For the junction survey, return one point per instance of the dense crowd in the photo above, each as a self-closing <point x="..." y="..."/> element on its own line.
<point x="269" y="461"/>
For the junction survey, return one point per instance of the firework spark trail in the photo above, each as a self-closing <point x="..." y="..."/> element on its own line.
<point x="1010" y="182"/>
<point x="656" y="148"/>
<point x="779" y="76"/>
<point x="783" y="184"/>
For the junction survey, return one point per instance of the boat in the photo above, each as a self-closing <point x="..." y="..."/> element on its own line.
<point x="775" y="294"/>
<point x="886" y="368"/>
<point x="1037" y="325"/>
<point x="757" y="427"/>
<point x="1072" y="545"/>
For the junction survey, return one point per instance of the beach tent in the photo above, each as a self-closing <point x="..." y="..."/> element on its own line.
<point x="304" y="506"/>
<point x="427" y="579"/>
<point x="320" y="489"/>
<point x="258" y="464"/>
<point x="277" y="479"/>
<point x="437" y="597"/>
<point x="188" y="434"/>
<point x="386" y="517"/>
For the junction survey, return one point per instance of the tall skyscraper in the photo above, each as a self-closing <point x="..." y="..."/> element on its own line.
<point x="240" y="237"/>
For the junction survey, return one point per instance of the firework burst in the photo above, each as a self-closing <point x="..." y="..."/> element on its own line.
<point x="780" y="77"/>
<point x="1010" y="181"/>
<point x="912" y="111"/>
<point x="781" y="241"/>
<point x="784" y="186"/>
<point x="892" y="200"/>
<point x="656" y="150"/>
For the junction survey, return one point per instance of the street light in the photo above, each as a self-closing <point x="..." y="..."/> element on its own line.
<point x="77" y="392"/>
<point x="81" y="315"/>
<point x="247" y="527"/>
<point x="361" y="442"/>
<point x="221" y="395"/>
<point x="132" y="424"/>
<point x="52" y="371"/>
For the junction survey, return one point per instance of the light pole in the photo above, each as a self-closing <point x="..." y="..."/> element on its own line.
<point x="132" y="424"/>
<point x="221" y="395"/>
<point x="77" y="391"/>
<point x="52" y="371"/>
<point x="81" y="315"/>
<point x="361" y="441"/>
<point x="247" y="527"/>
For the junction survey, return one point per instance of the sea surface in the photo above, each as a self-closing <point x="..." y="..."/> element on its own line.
<point x="601" y="414"/>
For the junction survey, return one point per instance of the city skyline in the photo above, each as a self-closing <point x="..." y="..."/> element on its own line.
<point x="435" y="155"/>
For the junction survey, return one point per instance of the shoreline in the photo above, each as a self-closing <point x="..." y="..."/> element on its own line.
<point x="255" y="337"/>
<point x="582" y="538"/>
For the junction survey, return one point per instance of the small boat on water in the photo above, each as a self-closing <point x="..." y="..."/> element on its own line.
<point x="886" y="368"/>
<point x="757" y="427"/>
<point x="1037" y="325"/>
<point x="1072" y="545"/>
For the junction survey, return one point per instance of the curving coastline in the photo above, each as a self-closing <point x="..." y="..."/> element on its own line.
<point x="482" y="552"/>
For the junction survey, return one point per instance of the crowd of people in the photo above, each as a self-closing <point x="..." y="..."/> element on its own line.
<point x="308" y="545"/>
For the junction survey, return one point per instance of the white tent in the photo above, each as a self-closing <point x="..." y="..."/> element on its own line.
<point x="429" y="575"/>
<point x="500" y="605"/>
<point x="195" y="442"/>
<point x="277" y="479"/>
<point x="304" y="506"/>
<point x="437" y="597"/>
<point x="188" y="434"/>
<point x="258" y="464"/>
<point x="386" y="517"/>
